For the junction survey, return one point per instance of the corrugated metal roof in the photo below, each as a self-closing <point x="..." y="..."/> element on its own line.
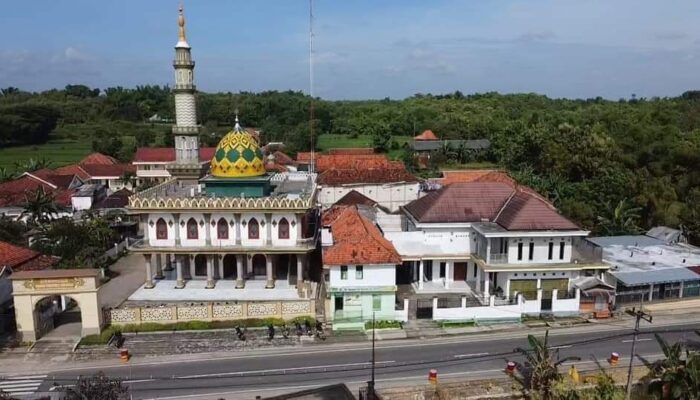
<point x="634" y="278"/>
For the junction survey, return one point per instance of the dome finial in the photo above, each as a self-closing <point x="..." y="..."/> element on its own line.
<point x="237" y="126"/>
<point x="181" y="24"/>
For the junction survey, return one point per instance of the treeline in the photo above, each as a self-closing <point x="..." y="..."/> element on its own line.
<point x="613" y="166"/>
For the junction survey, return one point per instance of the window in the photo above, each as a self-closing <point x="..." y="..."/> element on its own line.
<point x="520" y="251"/>
<point x="531" y="252"/>
<point x="222" y="229"/>
<point x="283" y="229"/>
<point x="253" y="229"/>
<point x="192" y="230"/>
<point x="551" y="251"/>
<point x="343" y="272"/>
<point x="161" y="229"/>
<point x="443" y="268"/>
<point x="376" y="302"/>
<point x="561" y="250"/>
<point x="475" y="271"/>
<point x="358" y="272"/>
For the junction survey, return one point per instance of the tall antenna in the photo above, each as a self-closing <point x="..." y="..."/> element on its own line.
<point x="311" y="84"/>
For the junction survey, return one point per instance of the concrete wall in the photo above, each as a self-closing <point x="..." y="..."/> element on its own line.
<point x="541" y="251"/>
<point x="391" y="196"/>
<point x="152" y="238"/>
<point x="215" y="241"/>
<point x="372" y="275"/>
<point x="201" y="229"/>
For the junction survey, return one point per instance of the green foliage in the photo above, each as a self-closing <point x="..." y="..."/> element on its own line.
<point x="26" y="123"/>
<point x="382" y="324"/>
<point x="39" y="208"/>
<point x="677" y="374"/>
<point x="12" y="231"/>
<point x="458" y="324"/>
<point x="98" y="386"/>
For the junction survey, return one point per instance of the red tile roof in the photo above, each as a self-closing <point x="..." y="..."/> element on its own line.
<point x="336" y="177"/>
<point x="167" y="154"/>
<point x="426" y="135"/>
<point x="282" y="158"/>
<point x="105" y="170"/>
<point x="352" y="151"/>
<point x="514" y="208"/>
<point x="476" y="175"/>
<point x="16" y="192"/>
<point x="272" y="166"/>
<point x="356" y="240"/>
<point x="305" y="156"/>
<point x="24" y="259"/>
<point x="99" y="158"/>
<point x="354" y="197"/>
<point x="346" y="161"/>
<point x="73" y="169"/>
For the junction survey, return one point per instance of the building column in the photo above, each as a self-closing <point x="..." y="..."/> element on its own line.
<point x="680" y="291"/>
<point x="210" y="272"/>
<point x="180" y="282"/>
<point x="478" y="278"/>
<point x="486" y="284"/>
<point x="169" y="261"/>
<point x="420" y="274"/>
<point x="220" y="263"/>
<point x="651" y="292"/>
<point x="300" y="269"/>
<point x="159" y="267"/>
<point x="240" y="273"/>
<point x="149" y="274"/>
<point x="270" y="277"/>
<point x="268" y="228"/>
<point x="448" y="275"/>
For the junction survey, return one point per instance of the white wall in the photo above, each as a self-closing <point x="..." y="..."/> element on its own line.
<point x="215" y="241"/>
<point x="373" y="275"/>
<point x="391" y="196"/>
<point x="201" y="230"/>
<point x="152" y="238"/>
<point x="81" y="203"/>
<point x="512" y="311"/>
<point x="566" y="306"/>
<point x="260" y="217"/>
<point x="541" y="253"/>
<point x="293" y="227"/>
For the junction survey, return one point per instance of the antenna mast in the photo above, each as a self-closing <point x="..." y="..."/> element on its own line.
<point x="312" y="164"/>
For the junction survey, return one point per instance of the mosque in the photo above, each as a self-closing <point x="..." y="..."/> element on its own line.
<point x="225" y="230"/>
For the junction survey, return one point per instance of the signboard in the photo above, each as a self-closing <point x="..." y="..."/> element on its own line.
<point x="54" y="284"/>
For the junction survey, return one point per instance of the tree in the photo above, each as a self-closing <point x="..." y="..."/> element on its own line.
<point x="33" y="164"/>
<point x="621" y="220"/>
<point x="6" y="175"/>
<point x="12" y="231"/>
<point x="96" y="387"/>
<point x="677" y="374"/>
<point x="542" y="369"/>
<point x="40" y="207"/>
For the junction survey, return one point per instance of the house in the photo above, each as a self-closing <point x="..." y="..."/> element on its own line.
<point x="151" y="162"/>
<point x="359" y="268"/>
<point x="13" y="259"/>
<point x="15" y="193"/>
<point x="491" y="243"/>
<point x="657" y="265"/>
<point x="425" y="144"/>
<point x="373" y="175"/>
<point x="97" y="168"/>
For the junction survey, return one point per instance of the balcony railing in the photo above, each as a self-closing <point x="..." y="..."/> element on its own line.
<point x="498" y="258"/>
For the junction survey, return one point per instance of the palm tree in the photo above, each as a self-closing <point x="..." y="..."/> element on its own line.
<point x="543" y="369"/>
<point x="128" y="179"/>
<point x="622" y="220"/>
<point x="6" y="175"/>
<point x="40" y="208"/>
<point x="677" y="374"/>
<point x="99" y="386"/>
<point x="33" y="164"/>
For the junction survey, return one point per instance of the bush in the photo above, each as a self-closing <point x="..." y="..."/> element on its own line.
<point x="383" y="324"/>
<point x="102" y="338"/>
<point x="457" y="324"/>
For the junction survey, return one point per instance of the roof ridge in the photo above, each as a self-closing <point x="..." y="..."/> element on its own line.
<point x="503" y="207"/>
<point x="39" y="179"/>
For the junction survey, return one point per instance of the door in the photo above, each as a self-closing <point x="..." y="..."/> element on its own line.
<point x="338" y="303"/>
<point x="259" y="265"/>
<point x="525" y="287"/>
<point x="460" y="271"/>
<point x="424" y="309"/>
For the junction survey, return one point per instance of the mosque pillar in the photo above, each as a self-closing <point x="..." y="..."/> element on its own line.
<point x="159" y="267"/>
<point x="420" y="274"/>
<point x="240" y="282"/>
<point x="210" y="272"/>
<point x="268" y="229"/>
<point x="237" y="218"/>
<point x="300" y="269"/>
<point x="220" y="264"/>
<point x="270" y="276"/>
<point x="180" y="283"/>
<point x="149" y="275"/>
<point x="169" y="261"/>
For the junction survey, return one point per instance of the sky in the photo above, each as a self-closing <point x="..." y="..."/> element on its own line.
<point x="363" y="48"/>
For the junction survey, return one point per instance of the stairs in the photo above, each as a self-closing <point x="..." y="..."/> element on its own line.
<point x="417" y="328"/>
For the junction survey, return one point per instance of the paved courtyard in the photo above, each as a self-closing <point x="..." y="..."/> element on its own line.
<point x="131" y="277"/>
<point x="225" y="290"/>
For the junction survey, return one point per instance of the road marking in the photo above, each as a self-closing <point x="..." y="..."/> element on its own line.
<point x="470" y="355"/>
<point x="139" y="380"/>
<point x="21" y="385"/>
<point x="265" y="371"/>
<point x="26" y="377"/>
<point x="639" y="340"/>
<point x="562" y="347"/>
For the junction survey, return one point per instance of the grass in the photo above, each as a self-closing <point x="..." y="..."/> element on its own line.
<point x="458" y="324"/>
<point x="106" y="334"/>
<point x="384" y="324"/>
<point x="59" y="152"/>
<point x="333" y="141"/>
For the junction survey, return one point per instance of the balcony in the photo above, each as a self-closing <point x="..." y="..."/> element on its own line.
<point x="498" y="258"/>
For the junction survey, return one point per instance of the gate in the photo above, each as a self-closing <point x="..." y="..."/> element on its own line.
<point x="424" y="309"/>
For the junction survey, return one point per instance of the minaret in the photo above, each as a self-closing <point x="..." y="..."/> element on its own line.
<point x="185" y="129"/>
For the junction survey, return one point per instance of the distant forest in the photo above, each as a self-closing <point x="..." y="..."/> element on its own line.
<point x="614" y="167"/>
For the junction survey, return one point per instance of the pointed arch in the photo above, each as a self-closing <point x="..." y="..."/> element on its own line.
<point x="161" y="229"/>
<point x="283" y="229"/>
<point x="253" y="229"/>
<point x="222" y="229"/>
<point x="192" y="229"/>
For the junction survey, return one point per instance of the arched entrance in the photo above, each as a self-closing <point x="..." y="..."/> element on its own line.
<point x="57" y="302"/>
<point x="230" y="266"/>
<point x="58" y="316"/>
<point x="259" y="266"/>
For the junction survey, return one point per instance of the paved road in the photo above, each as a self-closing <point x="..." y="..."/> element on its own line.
<point x="398" y="362"/>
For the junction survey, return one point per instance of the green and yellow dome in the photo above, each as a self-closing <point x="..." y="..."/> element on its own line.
<point x="237" y="156"/>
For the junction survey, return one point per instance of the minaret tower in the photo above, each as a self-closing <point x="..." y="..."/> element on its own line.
<point x="185" y="130"/>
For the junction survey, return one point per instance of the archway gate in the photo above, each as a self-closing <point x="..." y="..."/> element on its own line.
<point x="29" y="287"/>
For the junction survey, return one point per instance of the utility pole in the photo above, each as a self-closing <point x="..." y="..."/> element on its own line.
<point x="639" y="315"/>
<point x="370" y="384"/>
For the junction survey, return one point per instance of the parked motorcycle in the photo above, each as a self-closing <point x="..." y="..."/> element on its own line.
<point x="240" y="334"/>
<point x="285" y="331"/>
<point x="307" y="328"/>
<point x="270" y="332"/>
<point x="319" y="331"/>
<point x="298" y="328"/>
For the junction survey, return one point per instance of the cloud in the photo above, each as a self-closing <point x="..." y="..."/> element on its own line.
<point x="537" y="36"/>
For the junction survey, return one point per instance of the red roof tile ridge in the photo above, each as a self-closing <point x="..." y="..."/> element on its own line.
<point x="36" y="176"/>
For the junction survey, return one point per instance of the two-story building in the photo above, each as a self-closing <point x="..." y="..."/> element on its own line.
<point x="359" y="268"/>
<point x="492" y="242"/>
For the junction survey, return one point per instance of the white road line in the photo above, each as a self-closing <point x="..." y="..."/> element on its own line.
<point x="264" y="371"/>
<point x="22" y="393"/>
<point x="6" y="385"/>
<point x="639" y="340"/>
<point x="26" y="377"/>
<point x="139" y="380"/>
<point x="562" y="347"/>
<point x="470" y="355"/>
<point x="19" y="381"/>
